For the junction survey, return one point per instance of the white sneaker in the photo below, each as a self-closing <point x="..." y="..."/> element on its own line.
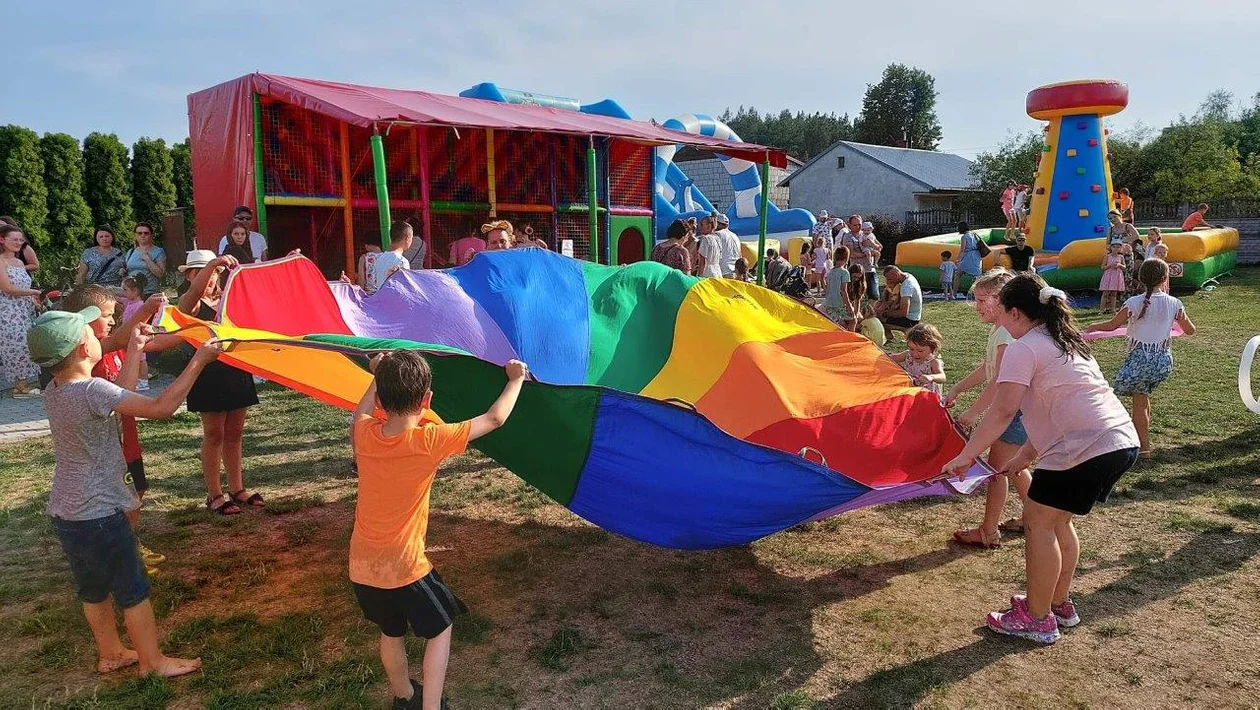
<point x="142" y="385"/>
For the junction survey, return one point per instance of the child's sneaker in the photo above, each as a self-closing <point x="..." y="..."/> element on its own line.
<point x="142" y="385"/>
<point x="416" y="699"/>
<point x="150" y="557"/>
<point x="1018" y="622"/>
<point x="1064" y="613"/>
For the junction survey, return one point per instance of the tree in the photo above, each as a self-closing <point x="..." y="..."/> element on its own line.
<point x="23" y="195"/>
<point x="1015" y="160"/>
<point x="152" y="181"/>
<point x="181" y="159"/>
<point x="69" y="218"/>
<point x="801" y="135"/>
<point x="105" y="181"/>
<point x="901" y="107"/>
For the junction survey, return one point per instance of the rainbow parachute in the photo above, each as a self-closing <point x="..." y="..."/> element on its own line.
<point x="683" y="412"/>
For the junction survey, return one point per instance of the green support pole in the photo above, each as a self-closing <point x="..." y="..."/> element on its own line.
<point x="260" y="178"/>
<point x="592" y="186"/>
<point x="382" y="186"/>
<point x="761" y="233"/>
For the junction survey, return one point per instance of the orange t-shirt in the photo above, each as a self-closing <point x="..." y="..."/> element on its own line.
<point x="1194" y="220"/>
<point x="392" y="515"/>
<point x="1125" y="204"/>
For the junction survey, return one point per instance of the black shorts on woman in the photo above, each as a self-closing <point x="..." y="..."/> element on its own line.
<point x="1077" y="489"/>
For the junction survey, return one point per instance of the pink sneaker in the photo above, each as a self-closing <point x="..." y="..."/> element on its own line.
<point x="1064" y="613"/>
<point x="1018" y="622"/>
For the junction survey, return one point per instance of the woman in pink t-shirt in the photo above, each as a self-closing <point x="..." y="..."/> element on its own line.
<point x="1080" y="441"/>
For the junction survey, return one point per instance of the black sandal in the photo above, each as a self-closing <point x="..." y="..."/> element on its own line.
<point x="226" y="505"/>
<point x="253" y="501"/>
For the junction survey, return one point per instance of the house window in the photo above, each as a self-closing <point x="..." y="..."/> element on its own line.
<point x="839" y="162"/>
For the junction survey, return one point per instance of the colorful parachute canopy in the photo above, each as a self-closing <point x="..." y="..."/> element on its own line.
<point x="684" y="412"/>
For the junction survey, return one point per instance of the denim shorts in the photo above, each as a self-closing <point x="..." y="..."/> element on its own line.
<point x="104" y="559"/>
<point x="1015" y="433"/>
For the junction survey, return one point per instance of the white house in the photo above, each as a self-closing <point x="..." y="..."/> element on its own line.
<point x="868" y="179"/>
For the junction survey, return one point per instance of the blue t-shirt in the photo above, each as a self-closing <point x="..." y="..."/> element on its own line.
<point x="837" y="280"/>
<point x="136" y="265"/>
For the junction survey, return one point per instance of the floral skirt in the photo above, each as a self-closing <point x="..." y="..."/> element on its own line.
<point x="1143" y="370"/>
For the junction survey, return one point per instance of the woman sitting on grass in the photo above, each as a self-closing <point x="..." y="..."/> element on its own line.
<point x="1150" y="317"/>
<point x="1078" y="433"/>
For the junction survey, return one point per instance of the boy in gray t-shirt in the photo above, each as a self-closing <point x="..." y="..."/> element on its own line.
<point x="90" y="495"/>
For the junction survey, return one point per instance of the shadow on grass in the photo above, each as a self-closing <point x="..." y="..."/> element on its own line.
<point x="1231" y="461"/>
<point x="1206" y="555"/>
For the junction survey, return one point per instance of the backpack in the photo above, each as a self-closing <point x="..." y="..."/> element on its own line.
<point x="794" y="284"/>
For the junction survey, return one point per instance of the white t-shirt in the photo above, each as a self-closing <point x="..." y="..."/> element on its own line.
<point x="385" y="261"/>
<point x="257" y="245"/>
<point x="910" y="289"/>
<point x="730" y="250"/>
<point x="947" y="272"/>
<point x="1156" y="326"/>
<point x="711" y="250"/>
<point x="1069" y="410"/>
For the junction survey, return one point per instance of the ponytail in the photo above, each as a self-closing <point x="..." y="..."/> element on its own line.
<point x="1152" y="275"/>
<point x="1040" y="303"/>
<point x="857" y="284"/>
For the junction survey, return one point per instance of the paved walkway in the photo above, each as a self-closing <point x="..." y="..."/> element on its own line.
<point x="23" y="418"/>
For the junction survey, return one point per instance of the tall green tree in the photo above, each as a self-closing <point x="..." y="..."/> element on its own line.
<point x="152" y="181"/>
<point x="69" y="217"/>
<point x="23" y="195"/>
<point x="181" y="159"/>
<point x="105" y="182"/>
<point x="901" y="107"/>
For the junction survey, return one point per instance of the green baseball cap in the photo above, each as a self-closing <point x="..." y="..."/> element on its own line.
<point x="56" y="334"/>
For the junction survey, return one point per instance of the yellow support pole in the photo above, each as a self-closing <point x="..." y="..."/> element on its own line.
<point x="347" y="213"/>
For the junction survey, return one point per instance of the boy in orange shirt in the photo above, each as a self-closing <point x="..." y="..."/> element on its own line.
<point x="397" y="460"/>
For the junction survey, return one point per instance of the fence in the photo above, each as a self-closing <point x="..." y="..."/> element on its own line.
<point x="1221" y="209"/>
<point x="948" y="219"/>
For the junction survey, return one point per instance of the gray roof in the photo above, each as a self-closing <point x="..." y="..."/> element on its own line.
<point x="934" y="170"/>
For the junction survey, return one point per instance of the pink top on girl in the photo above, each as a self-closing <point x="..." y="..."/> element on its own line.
<point x="1069" y="410"/>
<point x="130" y="308"/>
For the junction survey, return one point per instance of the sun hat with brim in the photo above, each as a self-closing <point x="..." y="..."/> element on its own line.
<point x="196" y="259"/>
<point x="57" y="333"/>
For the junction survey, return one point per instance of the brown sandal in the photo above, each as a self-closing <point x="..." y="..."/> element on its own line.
<point x="225" y="505"/>
<point x="253" y="500"/>
<point x="977" y="537"/>
<point x="1012" y="526"/>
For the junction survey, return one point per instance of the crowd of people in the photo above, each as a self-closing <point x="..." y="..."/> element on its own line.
<point x="1038" y="372"/>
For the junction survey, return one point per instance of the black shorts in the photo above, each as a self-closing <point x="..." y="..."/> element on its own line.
<point x="900" y="322"/>
<point x="427" y="605"/>
<point x="1078" y="488"/>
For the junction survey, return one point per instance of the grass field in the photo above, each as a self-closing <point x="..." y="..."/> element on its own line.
<point x="869" y="609"/>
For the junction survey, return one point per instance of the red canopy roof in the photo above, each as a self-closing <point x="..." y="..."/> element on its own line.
<point x="366" y="105"/>
<point x="221" y="126"/>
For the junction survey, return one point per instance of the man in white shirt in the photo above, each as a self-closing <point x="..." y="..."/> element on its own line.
<point x="903" y="313"/>
<point x="730" y="246"/>
<point x="387" y="262"/>
<point x="710" y="250"/>
<point x="257" y="242"/>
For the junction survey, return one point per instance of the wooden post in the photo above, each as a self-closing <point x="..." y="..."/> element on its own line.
<point x="347" y="212"/>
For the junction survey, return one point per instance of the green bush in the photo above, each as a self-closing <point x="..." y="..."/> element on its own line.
<point x="152" y="181"/>
<point x="69" y="217"/>
<point x="105" y="183"/>
<point x="23" y="195"/>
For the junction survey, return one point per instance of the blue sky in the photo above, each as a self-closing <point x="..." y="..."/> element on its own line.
<point x="127" y="66"/>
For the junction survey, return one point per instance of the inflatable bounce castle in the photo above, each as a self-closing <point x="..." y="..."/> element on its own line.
<point x="1072" y="194"/>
